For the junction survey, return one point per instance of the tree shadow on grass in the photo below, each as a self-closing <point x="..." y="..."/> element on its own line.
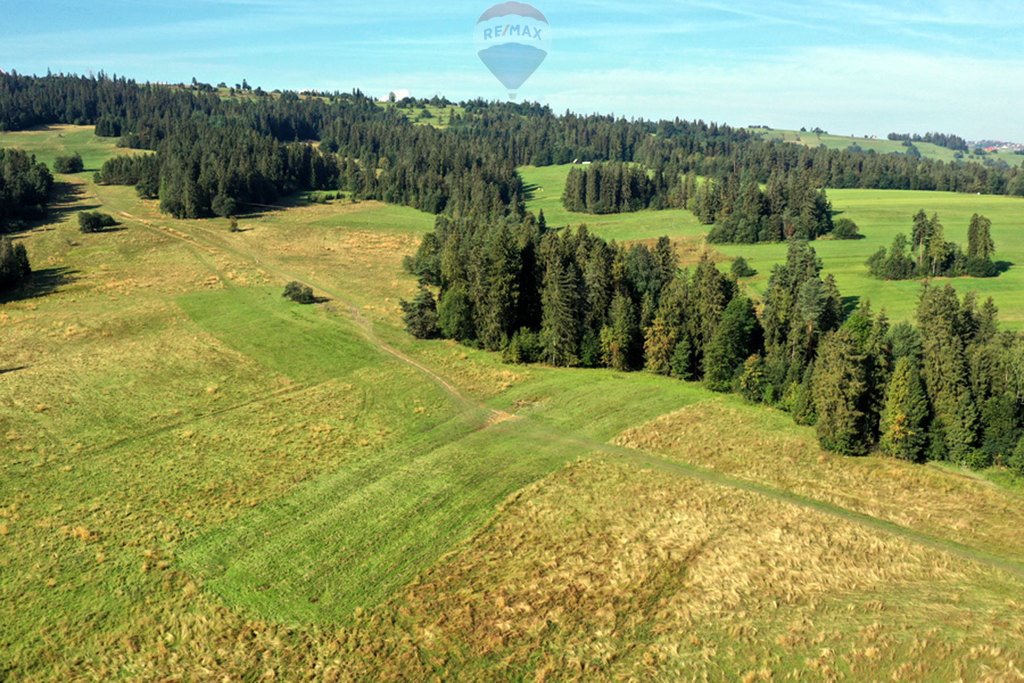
<point x="1003" y="266"/>
<point x="43" y="282"/>
<point x="850" y="304"/>
<point x="530" y="191"/>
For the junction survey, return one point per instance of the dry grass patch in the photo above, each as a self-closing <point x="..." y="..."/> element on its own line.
<point x="603" y="571"/>
<point x="762" y="446"/>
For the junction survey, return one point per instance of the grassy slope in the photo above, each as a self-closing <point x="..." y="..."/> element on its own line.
<point x="880" y="214"/>
<point x="190" y="460"/>
<point x="882" y="146"/>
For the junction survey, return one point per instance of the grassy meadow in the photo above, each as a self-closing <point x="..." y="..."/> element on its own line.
<point x="199" y="479"/>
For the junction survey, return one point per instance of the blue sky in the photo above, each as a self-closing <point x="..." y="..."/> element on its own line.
<point x="849" y="66"/>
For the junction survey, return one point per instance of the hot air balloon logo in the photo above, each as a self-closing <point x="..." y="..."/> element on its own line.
<point x="512" y="40"/>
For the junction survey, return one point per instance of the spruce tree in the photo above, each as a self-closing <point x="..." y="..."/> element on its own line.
<point x="496" y="319"/>
<point x="753" y="381"/>
<point x="659" y="343"/>
<point x="840" y="388"/>
<point x="455" y="315"/>
<point x="560" y="330"/>
<point x="14" y="266"/>
<point x="736" y="339"/>
<point x="620" y="337"/>
<point x="905" y="418"/>
<point x="946" y="374"/>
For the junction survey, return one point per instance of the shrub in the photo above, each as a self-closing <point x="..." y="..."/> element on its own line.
<point x="223" y="205"/>
<point x="94" y="221"/>
<point x="740" y="268"/>
<point x="845" y="229"/>
<point x="981" y="267"/>
<point x="524" y="347"/>
<point x="299" y="293"/>
<point x="14" y="268"/>
<point x="420" y="315"/>
<point x="1016" y="461"/>
<point x="71" y="163"/>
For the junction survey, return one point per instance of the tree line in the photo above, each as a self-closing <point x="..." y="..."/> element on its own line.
<point x="950" y="388"/>
<point x="927" y="253"/>
<point x="468" y="168"/>
<point x="612" y="187"/>
<point x="949" y="141"/>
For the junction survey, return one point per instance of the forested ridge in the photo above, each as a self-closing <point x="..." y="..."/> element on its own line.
<point x="465" y="169"/>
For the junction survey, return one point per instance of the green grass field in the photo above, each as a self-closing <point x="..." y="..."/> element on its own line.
<point x="202" y="480"/>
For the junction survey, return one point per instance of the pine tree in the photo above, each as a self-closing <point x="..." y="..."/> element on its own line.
<point x="905" y="418"/>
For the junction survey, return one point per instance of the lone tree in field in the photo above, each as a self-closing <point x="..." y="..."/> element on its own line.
<point x="741" y="269"/>
<point x="71" y="163"/>
<point x="14" y="267"/>
<point x="980" y="248"/>
<point x="299" y="293"/>
<point x="420" y="315"/>
<point x="905" y="418"/>
<point x="94" y="221"/>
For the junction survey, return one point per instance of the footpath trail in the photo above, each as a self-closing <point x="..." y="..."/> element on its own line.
<point x="206" y="243"/>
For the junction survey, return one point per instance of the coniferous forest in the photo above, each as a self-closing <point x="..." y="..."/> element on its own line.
<point x="240" y="152"/>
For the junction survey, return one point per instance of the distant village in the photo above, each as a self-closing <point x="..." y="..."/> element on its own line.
<point x="997" y="146"/>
